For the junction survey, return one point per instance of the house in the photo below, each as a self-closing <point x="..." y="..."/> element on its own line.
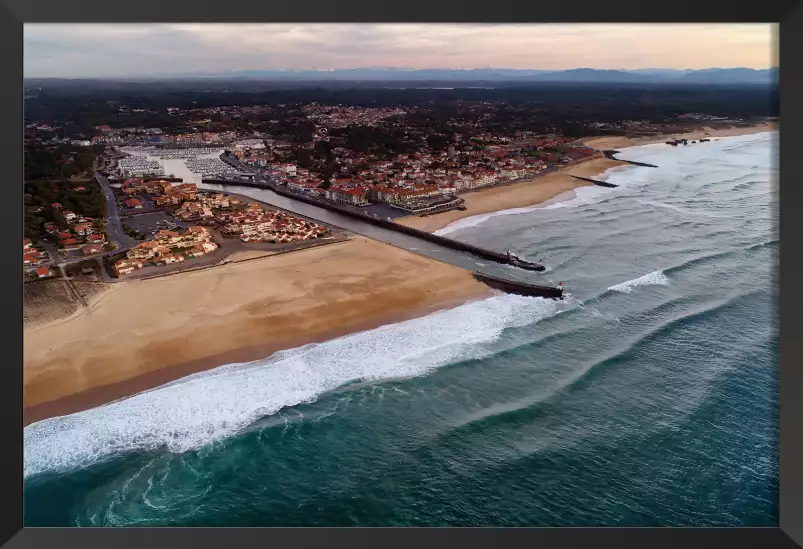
<point x="43" y="272"/>
<point x="27" y="243"/>
<point x="30" y="257"/>
<point x="96" y="238"/>
<point x="84" y="228"/>
<point x="56" y="205"/>
<point x="91" y="249"/>
<point x="64" y="236"/>
<point x="80" y="188"/>
<point x="133" y="203"/>
<point x="196" y="251"/>
<point x="51" y="227"/>
<point x="70" y="244"/>
<point x="126" y="266"/>
<point x="69" y="216"/>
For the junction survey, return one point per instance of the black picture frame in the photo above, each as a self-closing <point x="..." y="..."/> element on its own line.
<point x="788" y="14"/>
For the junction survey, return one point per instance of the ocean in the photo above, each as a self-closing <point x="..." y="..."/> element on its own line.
<point x="648" y="396"/>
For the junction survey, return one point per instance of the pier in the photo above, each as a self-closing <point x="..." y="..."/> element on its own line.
<point x="609" y="153"/>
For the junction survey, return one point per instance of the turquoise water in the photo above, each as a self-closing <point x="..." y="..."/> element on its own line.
<point x="647" y="397"/>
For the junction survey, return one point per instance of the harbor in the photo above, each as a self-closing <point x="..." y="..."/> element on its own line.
<point x="458" y="253"/>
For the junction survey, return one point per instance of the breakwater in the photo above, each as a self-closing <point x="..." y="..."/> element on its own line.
<point x="121" y="180"/>
<point x="595" y="182"/>
<point x="520" y="288"/>
<point x="610" y="153"/>
<point x="476" y="251"/>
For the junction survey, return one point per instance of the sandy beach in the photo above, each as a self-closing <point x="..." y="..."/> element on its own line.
<point x="542" y="188"/>
<point x="147" y="333"/>
<point x="516" y="195"/>
<point x="621" y="142"/>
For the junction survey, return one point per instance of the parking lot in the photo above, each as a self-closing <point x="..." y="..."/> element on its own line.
<point x="151" y="223"/>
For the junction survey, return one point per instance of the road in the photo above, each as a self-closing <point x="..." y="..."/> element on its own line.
<point x="114" y="227"/>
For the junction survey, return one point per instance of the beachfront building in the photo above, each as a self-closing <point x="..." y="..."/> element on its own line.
<point x="166" y="248"/>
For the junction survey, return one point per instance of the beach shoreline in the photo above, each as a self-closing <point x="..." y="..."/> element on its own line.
<point x="152" y="332"/>
<point x="544" y="188"/>
<point x="157" y="331"/>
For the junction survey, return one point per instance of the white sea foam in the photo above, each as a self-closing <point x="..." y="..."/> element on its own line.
<point x="194" y="411"/>
<point x="655" y="278"/>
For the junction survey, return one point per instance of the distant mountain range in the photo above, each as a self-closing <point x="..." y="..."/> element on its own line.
<point x="688" y="76"/>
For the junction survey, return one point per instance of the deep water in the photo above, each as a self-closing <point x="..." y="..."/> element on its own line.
<point x="647" y="397"/>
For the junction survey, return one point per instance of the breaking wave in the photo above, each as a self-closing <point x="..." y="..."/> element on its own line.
<point x="192" y="412"/>
<point x="650" y="279"/>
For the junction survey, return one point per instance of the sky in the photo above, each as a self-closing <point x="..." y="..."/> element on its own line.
<point x="115" y="50"/>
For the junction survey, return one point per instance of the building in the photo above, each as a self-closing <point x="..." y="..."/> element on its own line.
<point x="96" y="238"/>
<point x="92" y="249"/>
<point x="126" y="266"/>
<point x="84" y="229"/>
<point x="70" y="244"/>
<point x="133" y="203"/>
<point x="349" y="197"/>
<point x="56" y="205"/>
<point x="69" y="216"/>
<point x="27" y="243"/>
<point x="43" y="272"/>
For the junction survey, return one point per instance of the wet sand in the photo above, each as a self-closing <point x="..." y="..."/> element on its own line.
<point x="147" y="333"/>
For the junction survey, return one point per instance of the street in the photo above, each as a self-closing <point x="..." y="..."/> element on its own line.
<point x="114" y="228"/>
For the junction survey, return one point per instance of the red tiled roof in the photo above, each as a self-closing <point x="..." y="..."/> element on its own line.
<point x="43" y="271"/>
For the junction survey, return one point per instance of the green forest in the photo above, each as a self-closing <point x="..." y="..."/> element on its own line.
<point x="58" y="161"/>
<point x="39" y="195"/>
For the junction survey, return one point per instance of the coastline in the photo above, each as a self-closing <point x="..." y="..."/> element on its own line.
<point x="621" y="142"/>
<point x="542" y="189"/>
<point x="521" y="194"/>
<point x="156" y="331"/>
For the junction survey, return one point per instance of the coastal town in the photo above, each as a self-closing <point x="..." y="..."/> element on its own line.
<point x="380" y="274"/>
<point x="386" y="161"/>
<point x="226" y="215"/>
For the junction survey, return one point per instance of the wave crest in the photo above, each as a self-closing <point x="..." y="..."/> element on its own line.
<point x="650" y="279"/>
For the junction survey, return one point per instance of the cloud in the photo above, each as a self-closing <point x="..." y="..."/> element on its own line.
<point x="114" y="50"/>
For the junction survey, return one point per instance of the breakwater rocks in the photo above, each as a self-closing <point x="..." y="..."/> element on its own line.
<point x="609" y="153"/>
<point x="595" y="182"/>
<point x="520" y="288"/>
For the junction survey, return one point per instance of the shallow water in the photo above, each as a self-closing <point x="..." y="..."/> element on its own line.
<point x="647" y="397"/>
